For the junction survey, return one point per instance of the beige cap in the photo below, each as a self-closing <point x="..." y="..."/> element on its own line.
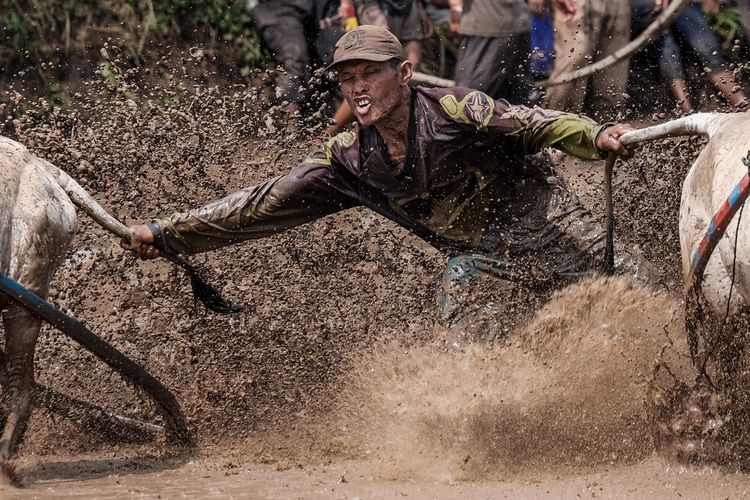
<point x="367" y="43"/>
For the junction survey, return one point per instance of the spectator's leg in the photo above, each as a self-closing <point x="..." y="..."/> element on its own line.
<point x="495" y="65"/>
<point x="519" y="79"/>
<point x="610" y="24"/>
<point x="283" y="29"/>
<point x="695" y="31"/>
<point x="413" y="52"/>
<point x="572" y="46"/>
<point x="670" y="68"/>
<point x="325" y="45"/>
<point x="410" y="29"/>
<point x="681" y="94"/>
<point x="480" y="64"/>
<point x="744" y="8"/>
<point x="726" y="84"/>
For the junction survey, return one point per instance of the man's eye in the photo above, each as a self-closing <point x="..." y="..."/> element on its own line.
<point x="346" y="79"/>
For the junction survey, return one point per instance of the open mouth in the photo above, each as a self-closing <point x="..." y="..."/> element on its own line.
<point x="362" y="105"/>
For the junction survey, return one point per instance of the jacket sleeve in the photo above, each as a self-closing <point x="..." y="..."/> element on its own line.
<point x="532" y="129"/>
<point x="538" y="128"/>
<point x="309" y="191"/>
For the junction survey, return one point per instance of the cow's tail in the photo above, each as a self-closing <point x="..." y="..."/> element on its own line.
<point x="704" y="124"/>
<point x="87" y="203"/>
<point x="206" y="293"/>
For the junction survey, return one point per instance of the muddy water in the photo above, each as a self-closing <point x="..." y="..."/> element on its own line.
<point x="331" y="384"/>
<point x="216" y="477"/>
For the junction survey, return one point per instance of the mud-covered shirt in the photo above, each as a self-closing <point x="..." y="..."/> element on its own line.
<point x="465" y="169"/>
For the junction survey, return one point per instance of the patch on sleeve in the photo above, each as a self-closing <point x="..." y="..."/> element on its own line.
<point x="345" y="139"/>
<point x="475" y="108"/>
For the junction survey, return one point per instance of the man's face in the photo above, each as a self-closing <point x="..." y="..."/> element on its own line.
<point x="372" y="89"/>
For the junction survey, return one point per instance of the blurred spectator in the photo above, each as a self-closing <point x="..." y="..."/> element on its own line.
<point x="688" y="33"/>
<point x="586" y="31"/>
<point x="439" y="51"/>
<point x="494" y="49"/>
<point x="406" y="19"/>
<point x="292" y="31"/>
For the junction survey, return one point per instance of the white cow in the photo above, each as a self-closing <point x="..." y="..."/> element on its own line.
<point x="37" y="223"/>
<point x="711" y="179"/>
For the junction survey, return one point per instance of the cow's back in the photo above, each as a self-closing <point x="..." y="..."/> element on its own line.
<point x="37" y="219"/>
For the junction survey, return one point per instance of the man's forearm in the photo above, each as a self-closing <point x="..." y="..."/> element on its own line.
<point x="574" y="135"/>
<point x="251" y="213"/>
<point x="571" y="133"/>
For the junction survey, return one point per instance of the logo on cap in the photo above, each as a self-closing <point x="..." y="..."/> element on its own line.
<point x="353" y="40"/>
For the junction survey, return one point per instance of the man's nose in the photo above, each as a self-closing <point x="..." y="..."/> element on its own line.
<point x="360" y="85"/>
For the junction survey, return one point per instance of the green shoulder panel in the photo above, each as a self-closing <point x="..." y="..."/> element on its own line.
<point x="325" y="156"/>
<point x="476" y="108"/>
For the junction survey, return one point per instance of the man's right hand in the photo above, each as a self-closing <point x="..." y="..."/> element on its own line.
<point x="142" y="242"/>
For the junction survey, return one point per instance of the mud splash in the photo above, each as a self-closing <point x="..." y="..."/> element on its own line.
<point x="704" y="419"/>
<point x="566" y="391"/>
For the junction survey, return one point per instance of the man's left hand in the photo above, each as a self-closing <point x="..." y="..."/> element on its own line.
<point x="608" y="140"/>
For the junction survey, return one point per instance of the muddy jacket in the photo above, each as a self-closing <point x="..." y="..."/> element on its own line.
<point x="465" y="169"/>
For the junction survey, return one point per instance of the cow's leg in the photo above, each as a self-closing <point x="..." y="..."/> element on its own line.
<point x="21" y="332"/>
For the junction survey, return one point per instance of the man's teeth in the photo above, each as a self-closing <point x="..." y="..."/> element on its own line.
<point x="362" y="102"/>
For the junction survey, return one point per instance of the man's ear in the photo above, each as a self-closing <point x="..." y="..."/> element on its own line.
<point x="405" y="72"/>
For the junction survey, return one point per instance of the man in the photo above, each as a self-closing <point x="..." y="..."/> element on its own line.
<point x="586" y="31"/>
<point x="447" y="164"/>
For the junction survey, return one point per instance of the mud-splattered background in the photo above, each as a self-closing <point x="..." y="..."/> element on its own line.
<point x="335" y="356"/>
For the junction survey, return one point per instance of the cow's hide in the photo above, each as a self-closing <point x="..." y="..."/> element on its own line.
<point x="37" y="219"/>
<point x="711" y="179"/>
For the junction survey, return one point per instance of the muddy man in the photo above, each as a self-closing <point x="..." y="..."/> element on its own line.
<point x="450" y="164"/>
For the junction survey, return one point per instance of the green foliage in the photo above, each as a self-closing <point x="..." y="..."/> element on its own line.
<point x="36" y="32"/>
<point x="726" y="25"/>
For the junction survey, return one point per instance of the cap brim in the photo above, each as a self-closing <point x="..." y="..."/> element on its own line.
<point x="361" y="57"/>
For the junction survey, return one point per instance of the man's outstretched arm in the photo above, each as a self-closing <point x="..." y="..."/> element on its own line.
<point x="532" y="129"/>
<point x="574" y="134"/>
<point x="306" y="193"/>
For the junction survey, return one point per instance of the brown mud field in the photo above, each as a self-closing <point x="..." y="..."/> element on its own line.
<point x="334" y="381"/>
